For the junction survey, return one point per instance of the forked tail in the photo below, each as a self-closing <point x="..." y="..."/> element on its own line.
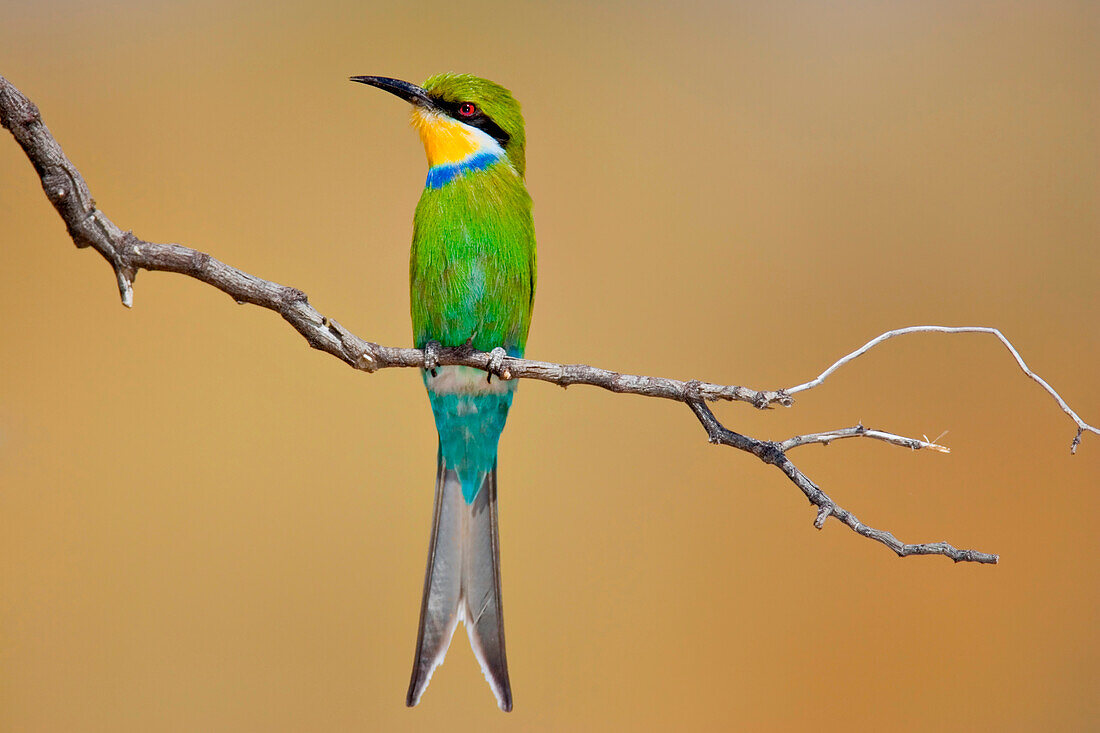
<point x="462" y="583"/>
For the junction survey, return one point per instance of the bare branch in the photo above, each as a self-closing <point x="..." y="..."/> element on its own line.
<point x="859" y="431"/>
<point x="774" y="454"/>
<point x="1082" y="426"/>
<point x="127" y="254"/>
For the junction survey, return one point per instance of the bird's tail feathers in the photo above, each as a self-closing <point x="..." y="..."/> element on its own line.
<point x="462" y="582"/>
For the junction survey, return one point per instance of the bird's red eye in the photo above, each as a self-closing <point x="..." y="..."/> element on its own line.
<point x="467" y="109"/>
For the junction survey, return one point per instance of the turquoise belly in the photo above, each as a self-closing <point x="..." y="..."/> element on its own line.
<point x="469" y="422"/>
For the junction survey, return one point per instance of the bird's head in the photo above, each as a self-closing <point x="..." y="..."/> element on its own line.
<point x="459" y="116"/>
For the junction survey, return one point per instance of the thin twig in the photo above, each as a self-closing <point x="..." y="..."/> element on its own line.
<point x="858" y="431"/>
<point x="1082" y="426"/>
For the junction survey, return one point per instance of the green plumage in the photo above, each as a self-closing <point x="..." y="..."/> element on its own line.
<point x="472" y="266"/>
<point x="472" y="269"/>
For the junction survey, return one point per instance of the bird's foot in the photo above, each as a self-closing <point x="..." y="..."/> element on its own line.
<point x="496" y="365"/>
<point x="431" y="357"/>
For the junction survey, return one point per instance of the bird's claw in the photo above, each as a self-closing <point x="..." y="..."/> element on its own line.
<point x="496" y="365"/>
<point x="431" y="357"/>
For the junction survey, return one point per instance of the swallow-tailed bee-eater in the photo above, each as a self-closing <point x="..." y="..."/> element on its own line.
<point x="472" y="281"/>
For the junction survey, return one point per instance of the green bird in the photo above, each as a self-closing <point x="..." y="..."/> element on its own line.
<point x="472" y="281"/>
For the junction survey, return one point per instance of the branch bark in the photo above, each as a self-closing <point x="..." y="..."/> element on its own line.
<point x="127" y="254"/>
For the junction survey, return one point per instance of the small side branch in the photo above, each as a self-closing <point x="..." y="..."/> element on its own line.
<point x="859" y="431"/>
<point x="775" y="454"/>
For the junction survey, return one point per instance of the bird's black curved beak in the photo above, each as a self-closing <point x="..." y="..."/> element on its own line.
<point x="409" y="92"/>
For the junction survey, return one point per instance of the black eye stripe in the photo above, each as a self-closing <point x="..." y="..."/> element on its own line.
<point x="478" y="119"/>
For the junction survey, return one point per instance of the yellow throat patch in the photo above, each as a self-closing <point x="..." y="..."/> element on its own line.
<point x="446" y="141"/>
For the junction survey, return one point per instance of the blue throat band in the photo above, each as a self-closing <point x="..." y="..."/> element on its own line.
<point x="441" y="175"/>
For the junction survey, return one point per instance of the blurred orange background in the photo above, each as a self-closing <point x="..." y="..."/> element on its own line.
<point x="205" y="525"/>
